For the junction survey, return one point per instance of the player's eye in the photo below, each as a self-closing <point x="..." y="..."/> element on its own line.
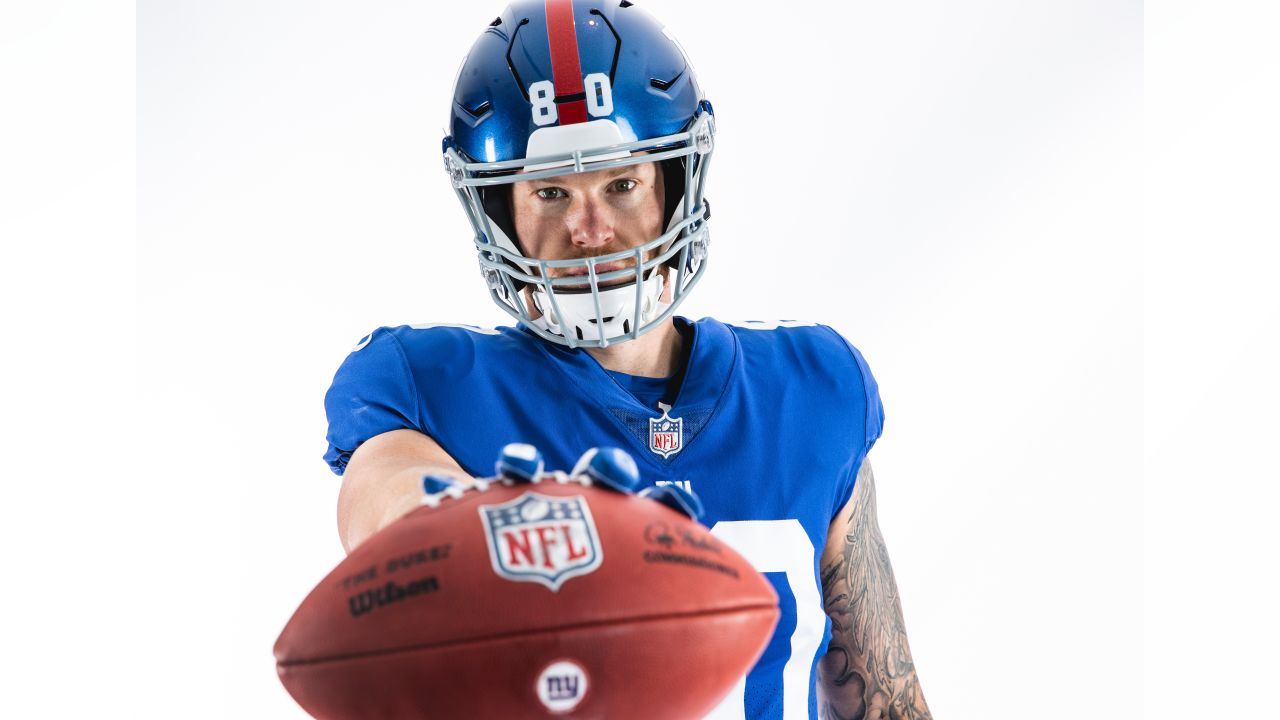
<point x="625" y="185"/>
<point x="552" y="193"/>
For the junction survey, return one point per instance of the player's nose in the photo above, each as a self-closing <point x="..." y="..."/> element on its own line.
<point x="590" y="223"/>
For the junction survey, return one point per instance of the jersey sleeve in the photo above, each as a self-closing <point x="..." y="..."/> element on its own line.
<point x="871" y="423"/>
<point x="372" y="393"/>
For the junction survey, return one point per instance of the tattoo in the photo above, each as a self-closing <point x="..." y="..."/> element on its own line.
<point x="867" y="672"/>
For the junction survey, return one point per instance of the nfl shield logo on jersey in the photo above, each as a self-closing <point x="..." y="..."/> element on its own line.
<point x="666" y="434"/>
<point x="542" y="538"/>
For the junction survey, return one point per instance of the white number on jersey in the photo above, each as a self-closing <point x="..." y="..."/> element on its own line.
<point x="780" y="546"/>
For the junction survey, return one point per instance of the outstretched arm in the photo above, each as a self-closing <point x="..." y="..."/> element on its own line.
<point x="383" y="481"/>
<point x="867" y="672"/>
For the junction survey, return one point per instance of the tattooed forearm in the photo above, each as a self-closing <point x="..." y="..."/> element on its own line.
<point x="867" y="673"/>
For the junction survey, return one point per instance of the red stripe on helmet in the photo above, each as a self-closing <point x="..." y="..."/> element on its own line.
<point x="566" y="68"/>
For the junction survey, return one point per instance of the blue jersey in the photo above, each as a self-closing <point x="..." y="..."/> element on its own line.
<point x="769" y="427"/>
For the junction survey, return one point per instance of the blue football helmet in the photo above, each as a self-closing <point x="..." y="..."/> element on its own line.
<point x="563" y="86"/>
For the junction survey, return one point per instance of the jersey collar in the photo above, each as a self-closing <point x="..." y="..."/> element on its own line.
<point x="711" y="361"/>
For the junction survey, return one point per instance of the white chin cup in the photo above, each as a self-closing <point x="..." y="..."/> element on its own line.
<point x="577" y="318"/>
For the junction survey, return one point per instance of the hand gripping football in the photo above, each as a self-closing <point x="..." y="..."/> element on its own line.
<point x="532" y="595"/>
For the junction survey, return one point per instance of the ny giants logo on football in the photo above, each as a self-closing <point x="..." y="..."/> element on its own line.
<point x="542" y="538"/>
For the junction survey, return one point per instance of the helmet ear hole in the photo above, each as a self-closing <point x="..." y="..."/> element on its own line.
<point x="672" y="170"/>
<point x="497" y="205"/>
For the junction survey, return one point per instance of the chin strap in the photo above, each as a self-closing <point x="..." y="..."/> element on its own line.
<point x="577" y="318"/>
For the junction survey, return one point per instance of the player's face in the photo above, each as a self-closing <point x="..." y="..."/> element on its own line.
<point x="589" y="214"/>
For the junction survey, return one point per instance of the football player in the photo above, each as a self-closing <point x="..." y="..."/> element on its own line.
<point x="579" y="148"/>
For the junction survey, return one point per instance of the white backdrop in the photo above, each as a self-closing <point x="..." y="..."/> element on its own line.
<point x="955" y="186"/>
<point x="128" y="542"/>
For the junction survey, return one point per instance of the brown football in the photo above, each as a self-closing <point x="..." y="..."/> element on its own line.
<point x="556" y="598"/>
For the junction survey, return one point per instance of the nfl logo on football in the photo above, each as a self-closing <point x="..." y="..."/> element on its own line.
<point x="666" y="434"/>
<point x="542" y="538"/>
